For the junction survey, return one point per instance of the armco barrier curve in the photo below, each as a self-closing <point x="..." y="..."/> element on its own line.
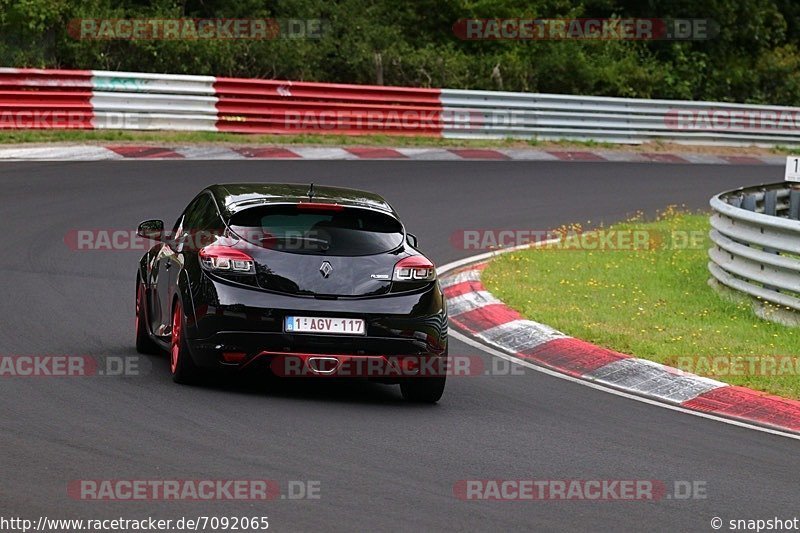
<point x="756" y="236"/>
<point x="44" y="99"/>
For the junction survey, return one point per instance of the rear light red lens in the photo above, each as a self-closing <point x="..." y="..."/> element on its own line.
<point x="319" y="206"/>
<point x="414" y="268"/>
<point x="218" y="258"/>
<point x="233" y="357"/>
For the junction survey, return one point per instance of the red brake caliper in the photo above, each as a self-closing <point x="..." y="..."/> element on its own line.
<point x="176" y="338"/>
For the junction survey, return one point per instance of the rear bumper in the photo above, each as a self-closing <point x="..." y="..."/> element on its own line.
<point x="377" y="367"/>
<point x="235" y="327"/>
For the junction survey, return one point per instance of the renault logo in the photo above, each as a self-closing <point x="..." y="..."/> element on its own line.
<point x="326" y="269"/>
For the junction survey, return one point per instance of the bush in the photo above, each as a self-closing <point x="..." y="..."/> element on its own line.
<point x="754" y="58"/>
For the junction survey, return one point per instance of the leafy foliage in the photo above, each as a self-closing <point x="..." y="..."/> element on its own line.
<point x="754" y="57"/>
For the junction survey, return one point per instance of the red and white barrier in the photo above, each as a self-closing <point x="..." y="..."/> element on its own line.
<point x="45" y="99"/>
<point x="35" y="99"/>
<point x="267" y="106"/>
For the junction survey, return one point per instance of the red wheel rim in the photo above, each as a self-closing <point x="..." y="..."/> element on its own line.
<point x="176" y="338"/>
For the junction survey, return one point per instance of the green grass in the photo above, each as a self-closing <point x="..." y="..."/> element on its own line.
<point x="652" y="303"/>
<point x="49" y="136"/>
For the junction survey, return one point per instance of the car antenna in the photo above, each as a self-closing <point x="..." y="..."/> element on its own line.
<point x="311" y="191"/>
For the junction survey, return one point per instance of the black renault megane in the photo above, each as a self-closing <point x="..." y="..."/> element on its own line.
<point x="300" y="280"/>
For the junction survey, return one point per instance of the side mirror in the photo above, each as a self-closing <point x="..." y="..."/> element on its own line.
<point x="151" y="229"/>
<point x="411" y="239"/>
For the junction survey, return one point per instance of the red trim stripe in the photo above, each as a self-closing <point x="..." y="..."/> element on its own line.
<point x="375" y="153"/>
<point x="145" y="152"/>
<point x="485" y="317"/>
<point x="572" y="356"/>
<point x="465" y="287"/>
<point x="665" y="158"/>
<point x="742" y="160"/>
<point x="749" y="405"/>
<point x="467" y="153"/>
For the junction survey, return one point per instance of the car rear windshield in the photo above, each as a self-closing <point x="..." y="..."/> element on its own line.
<point x="309" y="229"/>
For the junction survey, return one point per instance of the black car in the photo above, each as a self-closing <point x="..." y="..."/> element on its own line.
<point x="303" y="280"/>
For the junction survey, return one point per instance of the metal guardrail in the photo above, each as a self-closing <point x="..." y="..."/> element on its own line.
<point x="756" y="237"/>
<point x="93" y="99"/>
<point x="490" y="114"/>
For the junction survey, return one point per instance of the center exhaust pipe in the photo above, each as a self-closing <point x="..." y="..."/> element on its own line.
<point x="323" y="365"/>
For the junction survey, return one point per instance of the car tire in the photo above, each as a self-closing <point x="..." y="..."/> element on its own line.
<point x="144" y="343"/>
<point x="181" y="365"/>
<point x="423" y="389"/>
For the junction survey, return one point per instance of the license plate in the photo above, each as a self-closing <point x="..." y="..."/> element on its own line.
<point x="311" y="324"/>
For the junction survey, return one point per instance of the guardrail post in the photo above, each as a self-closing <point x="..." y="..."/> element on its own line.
<point x="771" y="209"/>
<point x="749" y="202"/>
<point x="771" y="203"/>
<point x="794" y="202"/>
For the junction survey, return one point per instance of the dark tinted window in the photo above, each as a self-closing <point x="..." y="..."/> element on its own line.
<point x="202" y="215"/>
<point x="341" y="231"/>
<point x="200" y="223"/>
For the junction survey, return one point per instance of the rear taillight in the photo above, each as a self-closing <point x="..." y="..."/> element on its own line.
<point x="224" y="259"/>
<point x="414" y="268"/>
<point x="319" y="206"/>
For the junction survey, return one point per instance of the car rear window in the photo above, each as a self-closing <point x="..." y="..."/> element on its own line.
<point x="336" y="231"/>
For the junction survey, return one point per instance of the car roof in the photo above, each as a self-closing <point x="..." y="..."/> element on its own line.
<point x="233" y="197"/>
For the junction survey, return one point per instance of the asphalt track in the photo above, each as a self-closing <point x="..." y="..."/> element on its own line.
<point x="382" y="464"/>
